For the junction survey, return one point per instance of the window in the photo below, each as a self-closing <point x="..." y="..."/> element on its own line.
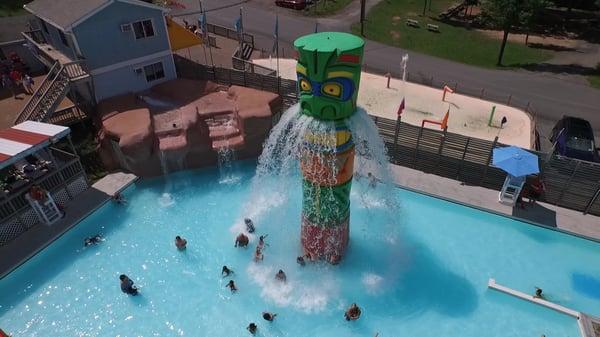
<point x="63" y="38"/>
<point x="154" y="71"/>
<point x="44" y="27"/>
<point x="143" y="29"/>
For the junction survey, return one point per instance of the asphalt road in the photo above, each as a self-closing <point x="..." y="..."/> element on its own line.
<point x="550" y="96"/>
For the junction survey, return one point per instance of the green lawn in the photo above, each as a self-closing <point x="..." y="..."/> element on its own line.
<point x="12" y="7"/>
<point x="594" y="81"/>
<point x="327" y="7"/>
<point x="386" y="23"/>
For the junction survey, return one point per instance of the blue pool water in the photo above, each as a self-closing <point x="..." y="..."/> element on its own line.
<point x="424" y="276"/>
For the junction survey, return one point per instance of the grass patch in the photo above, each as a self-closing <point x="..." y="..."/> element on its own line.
<point x="594" y="82"/>
<point x="12" y="7"/>
<point x="386" y="23"/>
<point x="327" y="7"/>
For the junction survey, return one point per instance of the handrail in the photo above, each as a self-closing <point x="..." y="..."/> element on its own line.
<point x="19" y="193"/>
<point x="31" y="104"/>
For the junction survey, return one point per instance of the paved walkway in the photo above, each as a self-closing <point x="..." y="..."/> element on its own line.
<point x="540" y="213"/>
<point x="34" y="240"/>
<point x="550" y="94"/>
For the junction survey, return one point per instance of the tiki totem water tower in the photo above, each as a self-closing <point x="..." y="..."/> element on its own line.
<point x="328" y="69"/>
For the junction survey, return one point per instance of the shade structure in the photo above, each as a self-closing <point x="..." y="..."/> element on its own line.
<point x="515" y="161"/>
<point x="180" y="37"/>
<point x="27" y="138"/>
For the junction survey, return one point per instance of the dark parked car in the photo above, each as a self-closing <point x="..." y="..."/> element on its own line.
<point x="295" y="4"/>
<point x="573" y="137"/>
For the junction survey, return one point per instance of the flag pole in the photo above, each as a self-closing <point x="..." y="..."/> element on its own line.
<point x="277" y="42"/>
<point x="241" y="33"/>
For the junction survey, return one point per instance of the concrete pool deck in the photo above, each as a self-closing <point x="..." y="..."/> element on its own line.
<point x="551" y="216"/>
<point x="25" y="246"/>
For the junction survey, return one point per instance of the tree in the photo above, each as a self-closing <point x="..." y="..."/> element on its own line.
<point x="509" y="14"/>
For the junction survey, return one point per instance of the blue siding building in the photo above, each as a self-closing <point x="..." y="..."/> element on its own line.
<point x="124" y="43"/>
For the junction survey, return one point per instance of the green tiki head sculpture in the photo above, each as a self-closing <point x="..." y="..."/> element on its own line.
<point x="329" y="65"/>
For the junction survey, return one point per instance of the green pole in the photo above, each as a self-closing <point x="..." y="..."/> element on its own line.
<point x="492" y="115"/>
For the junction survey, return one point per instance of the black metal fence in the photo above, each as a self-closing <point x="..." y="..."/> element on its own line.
<point x="570" y="183"/>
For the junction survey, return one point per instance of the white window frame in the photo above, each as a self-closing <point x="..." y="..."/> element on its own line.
<point x="145" y="36"/>
<point x="162" y="64"/>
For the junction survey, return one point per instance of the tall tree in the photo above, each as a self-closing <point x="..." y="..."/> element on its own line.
<point x="509" y="14"/>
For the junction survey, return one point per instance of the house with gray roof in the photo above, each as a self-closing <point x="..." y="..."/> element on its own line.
<point x="106" y="47"/>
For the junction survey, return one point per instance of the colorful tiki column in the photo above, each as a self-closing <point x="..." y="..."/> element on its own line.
<point x="329" y="66"/>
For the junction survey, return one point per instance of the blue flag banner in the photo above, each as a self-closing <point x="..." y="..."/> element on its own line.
<point x="238" y="25"/>
<point x="202" y="24"/>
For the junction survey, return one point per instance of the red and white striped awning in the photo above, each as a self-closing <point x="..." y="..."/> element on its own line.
<point x="27" y="138"/>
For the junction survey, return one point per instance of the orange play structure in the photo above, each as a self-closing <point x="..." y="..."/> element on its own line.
<point x="443" y="123"/>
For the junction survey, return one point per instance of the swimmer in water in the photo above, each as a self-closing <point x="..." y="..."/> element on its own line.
<point x="93" y="240"/>
<point x="353" y="313"/>
<point x="269" y="316"/>
<point x="252" y="328"/>
<point x="127" y="285"/>
<point x="180" y="243"/>
<point x="280" y="276"/>
<point x="258" y="255"/>
<point x="119" y="199"/>
<point x="300" y="261"/>
<point x="372" y="180"/>
<point x="261" y="241"/>
<point x="249" y="225"/>
<point x="241" y="240"/>
<point x="231" y="286"/>
<point x="226" y="271"/>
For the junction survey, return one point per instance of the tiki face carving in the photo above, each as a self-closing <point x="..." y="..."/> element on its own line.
<point x="328" y="70"/>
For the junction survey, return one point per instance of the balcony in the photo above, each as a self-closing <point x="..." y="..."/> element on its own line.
<point x="48" y="55"/>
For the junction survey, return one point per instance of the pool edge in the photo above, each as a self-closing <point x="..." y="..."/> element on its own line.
<point x="51" y="239"/>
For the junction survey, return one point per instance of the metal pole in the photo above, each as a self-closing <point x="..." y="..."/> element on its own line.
<point x="362" y="17"/>
<point x="462" y="159"/>
<point x="396" y="132"/>
<point x="424" y="7"/>
<point x="489" y="158"/>
<point x="568" y="184"/>
<point x="277" y="43"/>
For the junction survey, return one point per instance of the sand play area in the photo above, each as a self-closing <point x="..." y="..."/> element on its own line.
<point x="468" y="116"/>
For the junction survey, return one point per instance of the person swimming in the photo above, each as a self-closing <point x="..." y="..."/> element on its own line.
<point x="300" y="261"/>
<point x="539" y="293"/>
<point x="127" y="285"/>
<point x="353" y="312"/>
<point x="252" y="328"/>
<point x="280" y="276"/>
<point x="231" y="286"/>
<point x="372" y="180"/>
<point x="93" y="240"/>
<point x="258" y="255"/>
<point x="180" y="243"/>
<point x="241" y="240"/>
<point x="119" y="198"/>
<point x="249" y="225"/>
<point x="261" y="241"/>
<point x="226" y="271"/>
<point x="268" y="316"/>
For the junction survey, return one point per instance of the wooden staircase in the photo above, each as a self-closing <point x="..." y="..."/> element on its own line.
<point x="51" y="92"/>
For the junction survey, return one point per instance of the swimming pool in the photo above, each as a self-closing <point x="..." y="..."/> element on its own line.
<point x="426" y="276"/>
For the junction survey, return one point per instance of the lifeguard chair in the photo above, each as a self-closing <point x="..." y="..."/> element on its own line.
<point x="511" y="189"/>
<point x="443" y="123"/>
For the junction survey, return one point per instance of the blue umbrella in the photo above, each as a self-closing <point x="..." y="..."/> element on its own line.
<point x="515" y="161"/>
